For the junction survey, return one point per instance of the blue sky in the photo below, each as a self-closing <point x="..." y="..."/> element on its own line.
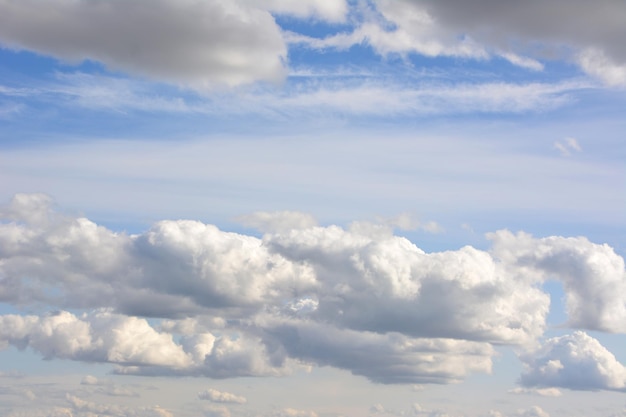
<point x="312" y="208"/>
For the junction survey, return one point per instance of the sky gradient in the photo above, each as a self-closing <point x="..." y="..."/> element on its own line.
<point x="312" y="208"/>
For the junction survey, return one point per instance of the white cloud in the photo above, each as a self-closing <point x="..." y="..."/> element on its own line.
<point x="136" y="347"/>
<point x="200" y="44"/>
<point x="524" y="62"/>
<point x="388" y="284"/>
<point x="593" y="275"/>
<point x="30" y="208"/>
<point x="575" y="361"/>
<point x="101" y="337"/>
<point x="221" y="397"/>
<point x="90" y="380"/>
<point x="567" y="146"/>
<point x="185" y="267"/>
<point x="383" y="98"/>
<point x="414" y="31"/>
<point x="595" y="62"/>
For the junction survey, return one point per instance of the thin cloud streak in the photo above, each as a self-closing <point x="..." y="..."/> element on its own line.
<point x="354" y="98"/>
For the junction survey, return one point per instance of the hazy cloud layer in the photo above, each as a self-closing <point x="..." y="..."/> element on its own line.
<point x="238" y="305"/>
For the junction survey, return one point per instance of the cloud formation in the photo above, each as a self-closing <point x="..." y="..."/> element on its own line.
<point x="237" y="305"/>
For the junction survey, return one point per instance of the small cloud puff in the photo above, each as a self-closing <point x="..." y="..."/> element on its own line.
<point x="567" y="146"/>
<point x="221" y="397"/>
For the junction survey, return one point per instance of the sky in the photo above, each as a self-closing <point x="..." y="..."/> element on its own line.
<point x="312" y="208"/>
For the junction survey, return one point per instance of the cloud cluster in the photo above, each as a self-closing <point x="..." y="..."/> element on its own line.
<point x="360" y="298"/>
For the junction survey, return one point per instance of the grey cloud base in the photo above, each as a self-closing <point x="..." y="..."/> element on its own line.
<point x="195" y="43"/>
<point x="360" y="299"/>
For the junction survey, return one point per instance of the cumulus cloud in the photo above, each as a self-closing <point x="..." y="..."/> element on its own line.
<point x="101" y="337"/>
<point x="135" y="346"/>
<point x="593" y="275"/>
<point x="238" y="305"/>
<point x="183" y="41"/>
<point x="388" y="284"/>
<point x="576" y="361"/>
<point x="221" y="397"/>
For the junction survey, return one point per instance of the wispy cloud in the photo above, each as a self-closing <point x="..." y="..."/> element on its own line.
<point x="350" y="97"/>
